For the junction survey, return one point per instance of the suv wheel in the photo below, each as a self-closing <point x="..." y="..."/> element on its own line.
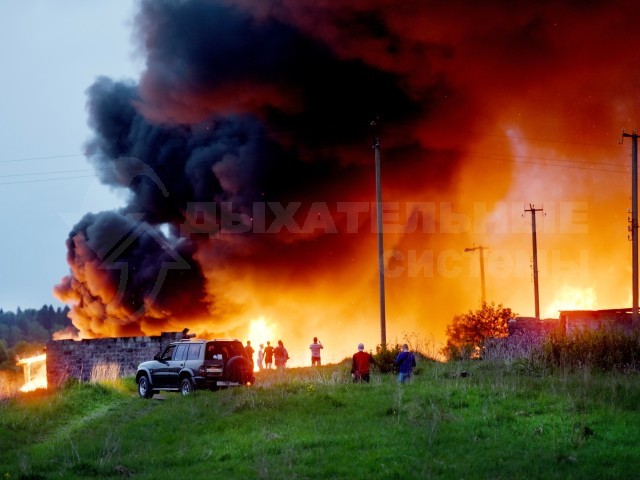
<point x="186" y="386"/>
<point x="238" y="369"/>
<point x="144" y="387"/>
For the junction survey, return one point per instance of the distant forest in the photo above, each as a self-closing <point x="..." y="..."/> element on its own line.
<point x="31" y="325"/>
<point x="24" y="332"/>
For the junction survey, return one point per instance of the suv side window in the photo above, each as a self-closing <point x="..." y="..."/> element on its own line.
<point x="168" y="353"/>
<point x="180" y="352"/>
<point x="194" y="352"/>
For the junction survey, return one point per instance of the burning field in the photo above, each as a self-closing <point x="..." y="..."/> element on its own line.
<point x="245" y="148"/>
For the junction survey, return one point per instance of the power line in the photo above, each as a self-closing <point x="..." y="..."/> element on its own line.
<point x="502" y="157"/>
<point x="49" y="172"/>
<point x="46" y="180"/>
<point x="28" y="159"/>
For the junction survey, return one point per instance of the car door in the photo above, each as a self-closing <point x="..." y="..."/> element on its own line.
<point x="176" y="364"/>
<point x="160" y="373"/>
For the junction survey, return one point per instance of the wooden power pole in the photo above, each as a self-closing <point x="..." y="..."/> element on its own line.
<point x="480" y="249"/>
<point x="383" y="326"/>
<point x="634" y="222"/>
<point x="536" y="293"/>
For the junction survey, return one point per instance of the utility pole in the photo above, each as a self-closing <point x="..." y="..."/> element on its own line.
<point x="383" y="326"/>
<point x="634" y="221"/>
<point x="536" y="294"/>
<point x="480" y="248"/>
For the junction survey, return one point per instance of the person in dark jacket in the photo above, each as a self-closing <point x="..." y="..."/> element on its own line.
<point x="361" y="365"/>
<point x="405" y="362"/>
<point x="249" y="349"/>
<point x="281" y="356"/>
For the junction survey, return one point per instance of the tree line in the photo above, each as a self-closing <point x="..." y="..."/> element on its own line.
<point x="25" y="330"/>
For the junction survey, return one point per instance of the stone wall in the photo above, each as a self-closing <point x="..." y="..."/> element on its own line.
<point x="101" y="357"/>
<point x="579" y="320"/>
<point x="532" y="327"/>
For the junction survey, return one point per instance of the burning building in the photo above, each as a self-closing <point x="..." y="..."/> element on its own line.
<point x="245" y="150"/>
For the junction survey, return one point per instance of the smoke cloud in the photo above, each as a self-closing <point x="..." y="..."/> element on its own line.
<point x="245" y="147"/>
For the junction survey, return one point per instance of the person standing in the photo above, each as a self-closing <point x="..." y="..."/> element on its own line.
<point x="361" y="365"/>
<point x="249" y="349"/>
<point x="405" y="362"/>
<point x="281" y="355"/>
<point x="268" y="355"/>
<point x="315" y="348"/>
<point x="260" y="356"/>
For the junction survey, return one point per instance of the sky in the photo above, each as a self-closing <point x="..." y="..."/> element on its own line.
<point x="225" y="150"/>
<point x="52" y="52"/>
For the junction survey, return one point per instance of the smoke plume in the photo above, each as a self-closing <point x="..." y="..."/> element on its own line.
<point x="245" y="147"/>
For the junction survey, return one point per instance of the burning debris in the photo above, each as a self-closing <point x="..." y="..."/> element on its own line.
<point x="244" y="149"/>
<point x="35" y="372"/>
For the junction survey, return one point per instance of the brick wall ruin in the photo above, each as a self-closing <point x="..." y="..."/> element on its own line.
<point x="531" y="326"/>
<point x="87" y="359"/>
<point x="572" y="321"/>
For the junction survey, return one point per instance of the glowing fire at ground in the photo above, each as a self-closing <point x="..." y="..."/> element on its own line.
<point x="572" y="298"/>
<point x="261" y="330"/>
<point x="34" y="377"/>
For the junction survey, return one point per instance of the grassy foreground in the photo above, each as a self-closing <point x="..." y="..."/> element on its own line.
<point x="493" y="423"/>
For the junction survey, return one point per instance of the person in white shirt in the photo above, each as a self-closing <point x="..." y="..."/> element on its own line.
<point x="260" y="356"/>
<point x="315" y="348"/>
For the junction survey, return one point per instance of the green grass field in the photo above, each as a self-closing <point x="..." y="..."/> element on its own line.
<point x="495" y="423"/>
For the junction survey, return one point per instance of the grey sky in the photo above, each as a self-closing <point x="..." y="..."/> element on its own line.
<point x="51" y="53"/>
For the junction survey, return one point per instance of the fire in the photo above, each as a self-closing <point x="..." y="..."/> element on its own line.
<point x="230" y="236"/>
<point x="34" y="377"/>
<point x="572" y="298"/>
<point x="261" y="330"/>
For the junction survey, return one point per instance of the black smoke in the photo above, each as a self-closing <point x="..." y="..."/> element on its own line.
<point x="231" y="110"/>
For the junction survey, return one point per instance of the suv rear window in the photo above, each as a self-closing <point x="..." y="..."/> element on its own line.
<point x="224" y="350"/>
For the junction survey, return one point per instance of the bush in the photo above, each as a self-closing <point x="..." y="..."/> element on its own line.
<point x="604" y="349"/>
<point x="467" y="334"/>
<point x="386" y="357"/>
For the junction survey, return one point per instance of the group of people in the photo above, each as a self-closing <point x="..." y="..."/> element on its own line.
<point x="268" y="354"/>
<point x="361" y="362"/>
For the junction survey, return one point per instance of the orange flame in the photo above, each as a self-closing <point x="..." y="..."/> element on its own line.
<point x="572" y="298"/>
<point x="35" y="377"/>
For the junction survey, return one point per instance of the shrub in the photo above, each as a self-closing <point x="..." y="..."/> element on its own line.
<point x="467" y="333"/>
<point x="386" y="357"/>
<point x="604" y="349"/>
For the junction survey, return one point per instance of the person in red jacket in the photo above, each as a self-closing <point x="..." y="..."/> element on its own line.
<point x="361" y="365"/>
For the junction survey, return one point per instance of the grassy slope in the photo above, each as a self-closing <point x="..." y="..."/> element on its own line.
<point x="495" y="423"/>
